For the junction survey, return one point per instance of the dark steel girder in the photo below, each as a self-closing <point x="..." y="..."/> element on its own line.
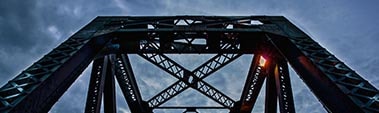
<point x="109" y="89"/>
<point x="184" y="76"/>
<point x="193" y="107"/>
<point x="283" y="87"/>
<point x="252" y="87"/>
<point x="182" y="42"/>
<point x="271" y="97"/>
<point x="96" y="85"/>
<point x="37" y="88"/>
<point x="170" y="30"/>
<point x="339" y="88"/>
<point x="127" y="82"/>
<point x="179" y="21"/>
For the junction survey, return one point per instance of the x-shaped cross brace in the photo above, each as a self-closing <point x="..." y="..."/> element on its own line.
<point x="193" y="79"/>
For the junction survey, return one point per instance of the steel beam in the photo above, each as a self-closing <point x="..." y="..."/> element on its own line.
<point x="196" y="82"/>
<point x="283" y="87"/>
<point x="278" y="87"/>
<point x="214" y="94"/>
<point x="271" y="98"/>
<point x="168" y="93"/>
<point x="109" y="89"/>
<point x="194" y="107"/>
<point x="128" y="85"/>
<point x="180" y="42"/>
<point x="332" y="97"/>
<point x="38" y="87"/>
<point x="96" y="85"/>
<point x="252" y="87"/>
<point x="165" y="35"/>
<point x="338" y="87"/>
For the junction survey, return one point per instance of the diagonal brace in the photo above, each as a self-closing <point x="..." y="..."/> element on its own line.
<point x="96" y="85"/>
<point x="252" y="87"/>
<point x="128" y="84"/>
<point x="184" y="78"/>
<point x="283" y="87"/>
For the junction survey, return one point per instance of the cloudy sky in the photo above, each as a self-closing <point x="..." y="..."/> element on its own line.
<point x="31" y="28"/>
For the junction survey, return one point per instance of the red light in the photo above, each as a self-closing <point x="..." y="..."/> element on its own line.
<point x="262" y="61"/>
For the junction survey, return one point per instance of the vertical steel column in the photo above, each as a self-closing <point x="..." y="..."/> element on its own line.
<point x="109" y="89"/>
<point x="271" y="94"/>
<point x="283" y="88"/>
<point x="251" y="88"/>
<point x="96" y="85"/>
<point x="128" y="85"/>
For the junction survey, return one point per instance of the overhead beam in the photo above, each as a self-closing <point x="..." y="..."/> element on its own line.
<point x="179" y="42"/>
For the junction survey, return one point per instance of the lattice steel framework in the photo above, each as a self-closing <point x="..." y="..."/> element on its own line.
<point x="107" y="41"/>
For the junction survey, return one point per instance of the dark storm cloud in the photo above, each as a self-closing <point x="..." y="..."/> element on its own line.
<point x="20" y="33"/>
<point x="29" y="29"/>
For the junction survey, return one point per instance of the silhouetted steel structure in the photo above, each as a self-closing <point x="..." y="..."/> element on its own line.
<point x="273" y="40"/>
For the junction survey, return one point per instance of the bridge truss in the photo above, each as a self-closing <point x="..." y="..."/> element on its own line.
<point x="107" y="41"/>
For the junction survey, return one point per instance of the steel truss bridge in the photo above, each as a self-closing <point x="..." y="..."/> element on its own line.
<point x="108" y="40"/>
